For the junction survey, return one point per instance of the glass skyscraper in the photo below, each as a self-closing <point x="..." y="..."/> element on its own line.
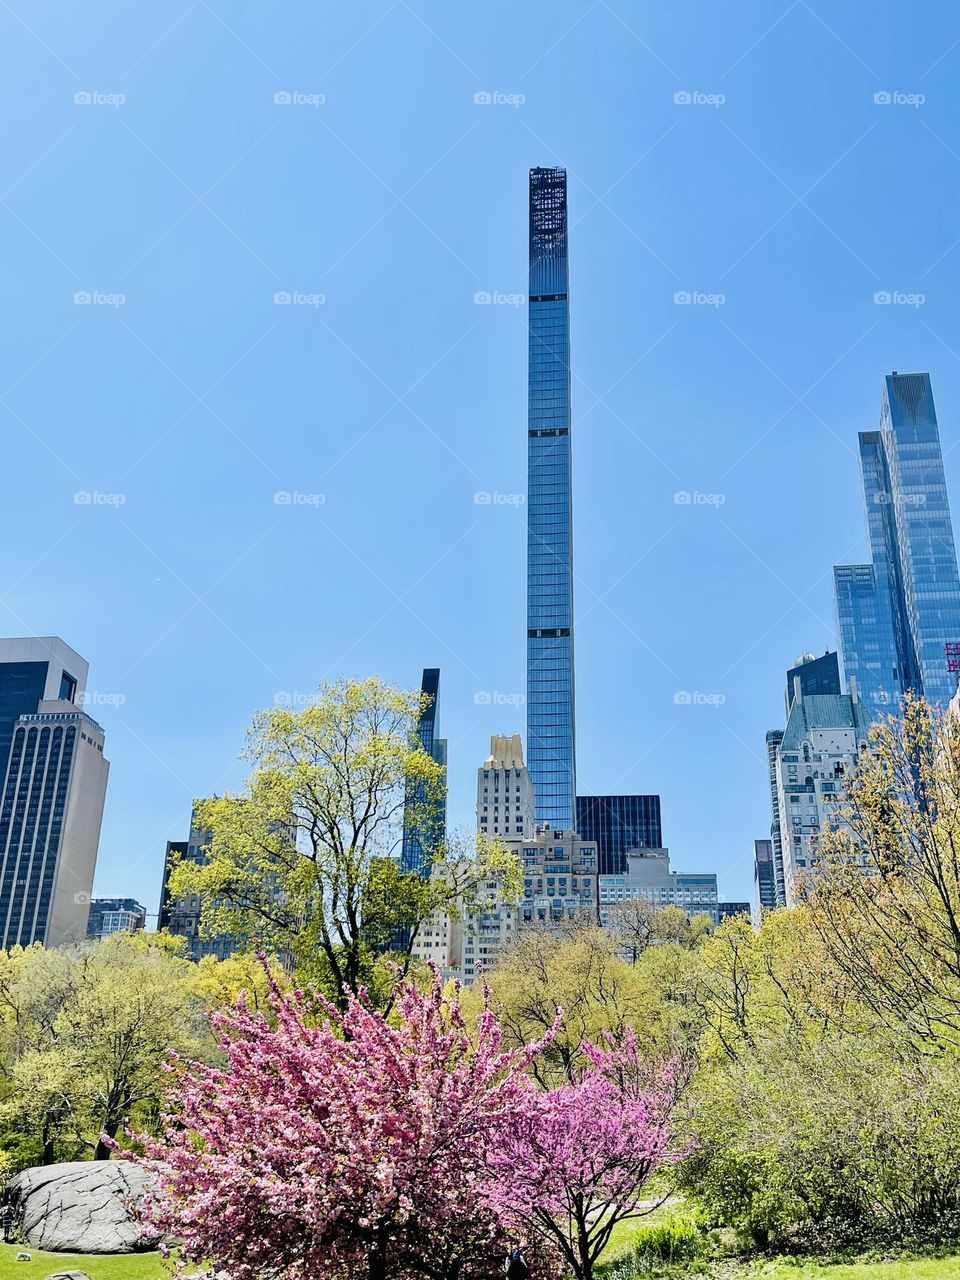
<point x="419" y="845"/>
<point x="899" y="616"/>
<point x="617" y="824"/>
<point x="53" y="779"/>
<point x="551" y="741"/>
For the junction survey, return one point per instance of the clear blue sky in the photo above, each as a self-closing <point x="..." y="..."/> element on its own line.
<point x="398" y="198"/>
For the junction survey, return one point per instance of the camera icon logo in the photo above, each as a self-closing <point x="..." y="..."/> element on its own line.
<point x="283" y="98"/>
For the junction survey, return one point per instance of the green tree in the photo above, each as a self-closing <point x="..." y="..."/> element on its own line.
<point x="86" y="1031"/>
<point x="304" y="862"/>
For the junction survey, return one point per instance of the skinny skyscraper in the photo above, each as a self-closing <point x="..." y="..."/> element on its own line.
<point x="551" y="738"/>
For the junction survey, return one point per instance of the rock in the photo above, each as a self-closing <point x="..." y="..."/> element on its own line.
<point x="69" y="1275"/>
<point x="82" y="1207"/>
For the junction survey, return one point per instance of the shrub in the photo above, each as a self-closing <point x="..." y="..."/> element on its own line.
<point x="676" y="1240"/>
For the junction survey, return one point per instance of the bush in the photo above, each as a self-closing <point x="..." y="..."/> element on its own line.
<point x="676" y="1240"/>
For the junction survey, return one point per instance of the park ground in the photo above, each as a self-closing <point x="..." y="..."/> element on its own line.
<point x="150" y="1267"/>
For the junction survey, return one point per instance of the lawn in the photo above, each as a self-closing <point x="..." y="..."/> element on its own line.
<point x="915" y="1269"/>
<point x="98" y="1266"/>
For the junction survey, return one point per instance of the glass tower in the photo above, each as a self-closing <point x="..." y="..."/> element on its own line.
<point x="419" y="845"/>
<point x="551" y="743"/>
<point x="617" y="824"/>
<point x="899" y="616"/>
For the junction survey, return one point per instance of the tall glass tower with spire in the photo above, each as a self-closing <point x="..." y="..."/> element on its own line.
<point x="899" y="616"/>
<point x="551" y="739"/>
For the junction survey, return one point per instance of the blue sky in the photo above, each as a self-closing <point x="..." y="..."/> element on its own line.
<point x="176" y="181"/>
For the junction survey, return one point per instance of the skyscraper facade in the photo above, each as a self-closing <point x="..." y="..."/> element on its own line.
<point x="54" y="780"/>
<point x="505" y="804"/>
<point x="551" y="739"/>
<point x="764" y="887"/>
<point x="422" y="840"/>
<point x="617" y="824"/>
<point x="183" y="916"/>
<point x="899" y="616"/>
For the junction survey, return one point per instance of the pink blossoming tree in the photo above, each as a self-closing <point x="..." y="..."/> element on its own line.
<point x="357" y="1147"/>
<point x="577" y="1162"/>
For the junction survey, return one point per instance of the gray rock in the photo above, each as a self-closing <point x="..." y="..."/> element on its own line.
<point x="83" y="1207"/>
<point x="69" y="1275"/>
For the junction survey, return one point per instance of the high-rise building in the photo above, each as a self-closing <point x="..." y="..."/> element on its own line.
<point x="505" y="801"/>
<point x="648" y="875"/>
<point x="814" y="762"/>
<point x="773" y="739"/>
<point x="816" y="675"/>
<point x="618" y="824"/>
<point x="422" y="839"/>
<point x="727" y="909"/>
<point x="899" y="616"/>
<point x="551" y="738"/>
<point x="764" y="885"/>
<point x="182" y="916"/>
<point x="54" y="783"/>
<point x="115" y="915"/>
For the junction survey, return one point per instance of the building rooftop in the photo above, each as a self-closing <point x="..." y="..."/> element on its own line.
<point x="824" y="711"/>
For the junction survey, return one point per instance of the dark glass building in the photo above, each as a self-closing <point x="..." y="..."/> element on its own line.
<point x="899" y="616"/>
<point x="419" y="846"/>
<point x="53" y="779"/>
<point x="617" y="824"/>
<point x="764" y="885"/>
<point x="115" y="915"/>
<point x="816" y="675"/>
<point x="551" y="739"/>
<point x="183" y="916"/>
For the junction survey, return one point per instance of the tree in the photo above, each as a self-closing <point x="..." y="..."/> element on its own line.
<point x="304" y="862"/>
<point x="639" y="924"/>
<point x="886" y="896"/>
<point x="86" y="1032"/>
<point x="356" y="1146"/>
<point x="579" y="1159"/>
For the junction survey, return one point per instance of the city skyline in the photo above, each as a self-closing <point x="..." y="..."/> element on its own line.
<point x="221" y="498"/>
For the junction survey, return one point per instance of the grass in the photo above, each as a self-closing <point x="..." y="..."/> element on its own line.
<point x="905" y="1269"/>
<point x="98" y="1266"/>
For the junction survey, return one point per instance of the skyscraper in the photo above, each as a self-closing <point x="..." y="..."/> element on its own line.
<point x="899" y="616"/>
<point x="551" y="740"/>
<point x="54" y="781"/>
<point x="619" y="824"/>
<point x="182" y="916"/>
<point x="419" y="844"/>
<point x="764" y="887"/>
<point x="505" y="803"/>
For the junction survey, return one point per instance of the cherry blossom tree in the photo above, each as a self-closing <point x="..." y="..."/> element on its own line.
<point x="334" y="1144"/>
<point x="578" y="1158"/>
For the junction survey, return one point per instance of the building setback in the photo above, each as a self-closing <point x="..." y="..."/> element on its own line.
<point x="617" y="825"/>
<point x="898" y="617"/>
<point x="505" y="803"/>
<point x="551" y="735"/>
<point x="54" y="784"/>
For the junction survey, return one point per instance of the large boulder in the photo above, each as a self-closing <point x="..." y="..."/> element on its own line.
<point x="83" y="1207"/>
